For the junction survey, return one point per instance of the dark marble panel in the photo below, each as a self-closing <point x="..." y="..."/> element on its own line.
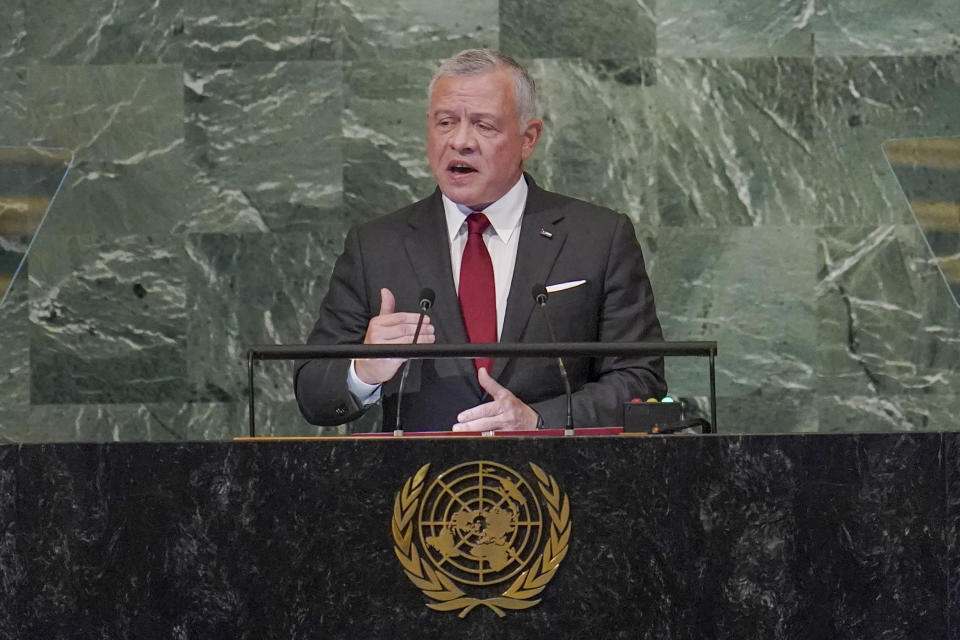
<point x="872" y="538"/>
<point x="887" y="326"/>
<point x="571" y="29"/>
<point x="795" y="537"/>
<point x="105" y="31"/>
<point x="861" y="102"/>
<point x="886" y="27"/>
<point x="384" y="127"/>
<point x="597" y="144"/>
<point x="735" y="141"/>
<point x="11" y="566"/>
<point x="951" y="457"/>
<point x="108" y="320"/>
<point x="235" y="302"/>
<point x="735" y="29"/>
<point x="699" y="569"/>
<point x="265" y="142"/>
<point x="751" y="290"/>
<point x="261" y="30"/>
<point x="416" y="29"/>
<point x="125" y="124"/>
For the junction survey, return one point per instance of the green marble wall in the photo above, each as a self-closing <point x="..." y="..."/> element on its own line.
<point x="222" y="149"/>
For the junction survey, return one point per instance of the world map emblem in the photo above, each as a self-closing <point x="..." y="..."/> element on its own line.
<point x="481" y="534"/>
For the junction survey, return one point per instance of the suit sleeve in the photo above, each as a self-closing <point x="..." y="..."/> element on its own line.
<point x="628" y="314"/>
<point x="321" y="385"/>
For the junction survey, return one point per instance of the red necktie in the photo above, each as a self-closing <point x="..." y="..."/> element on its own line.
<point x="478" y="294"/>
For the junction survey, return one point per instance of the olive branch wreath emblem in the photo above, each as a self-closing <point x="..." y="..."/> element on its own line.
<point x="440" y="588"/>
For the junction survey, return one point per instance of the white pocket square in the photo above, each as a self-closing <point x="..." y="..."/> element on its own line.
<point x="563" y="286"/>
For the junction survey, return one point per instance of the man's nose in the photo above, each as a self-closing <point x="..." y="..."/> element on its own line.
<point x="462" y="139"/>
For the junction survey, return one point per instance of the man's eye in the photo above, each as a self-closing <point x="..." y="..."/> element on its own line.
<point x="483" y="126"/>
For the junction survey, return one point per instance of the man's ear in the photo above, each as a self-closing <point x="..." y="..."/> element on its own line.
<point x="531" y="134"/>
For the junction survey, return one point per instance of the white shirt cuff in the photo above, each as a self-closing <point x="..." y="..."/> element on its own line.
<point x="365" y="393"/>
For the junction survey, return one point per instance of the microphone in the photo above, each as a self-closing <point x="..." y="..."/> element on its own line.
<point x="540" y="297"/>
<point x="427" y="296"/>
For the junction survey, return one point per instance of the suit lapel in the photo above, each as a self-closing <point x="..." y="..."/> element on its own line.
<point x="428" y="249"/>
<point x="541" y="238"/>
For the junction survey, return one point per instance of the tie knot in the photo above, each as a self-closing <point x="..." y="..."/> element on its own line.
<point x="477" y="223"/>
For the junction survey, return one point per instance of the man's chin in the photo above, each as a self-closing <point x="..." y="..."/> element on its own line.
<point x="462" y="194"/>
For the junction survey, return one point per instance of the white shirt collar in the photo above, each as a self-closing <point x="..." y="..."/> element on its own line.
<point x="504" y="214"/>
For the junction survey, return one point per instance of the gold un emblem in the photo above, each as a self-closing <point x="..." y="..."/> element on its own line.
<point x="476" y="535"/>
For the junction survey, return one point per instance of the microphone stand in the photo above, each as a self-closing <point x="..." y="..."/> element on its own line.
<point x="540" y="295"/>
<point x="426" y="301"/>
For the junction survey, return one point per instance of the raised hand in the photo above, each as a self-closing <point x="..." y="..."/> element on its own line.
<point x="389" y="327"/>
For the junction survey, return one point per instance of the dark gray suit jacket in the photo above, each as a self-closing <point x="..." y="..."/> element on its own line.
<point x="408" y="250"/>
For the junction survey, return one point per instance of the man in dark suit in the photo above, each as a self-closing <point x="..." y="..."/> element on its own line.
<point x="481" y="241"/>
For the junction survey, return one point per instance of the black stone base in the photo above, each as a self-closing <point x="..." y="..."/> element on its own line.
<point x="813" y="536"/>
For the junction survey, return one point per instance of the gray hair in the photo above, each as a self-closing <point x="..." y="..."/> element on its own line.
<point x="476" y="61"/>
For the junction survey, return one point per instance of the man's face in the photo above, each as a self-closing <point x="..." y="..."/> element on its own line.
<point x="475" y="141"/>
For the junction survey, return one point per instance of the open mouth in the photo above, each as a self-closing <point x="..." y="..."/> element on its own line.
<point x="461" y="168"/>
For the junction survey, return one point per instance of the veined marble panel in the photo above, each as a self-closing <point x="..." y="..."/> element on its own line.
<point x="261" y="30"/>
<point x="735" y="28"/>
<point x="14" y="131"/>
<point x="597" y="143"/>
<point x="252" y="289"/>
<point x="13" y="32"/>
<point x="283" y="419"/>
<point x="887" y="325"/>
<point x="416" y="29"/>
<point x="765" y="411"/>
<point x="108" y="320"/>
<point x="886" y="27"/>
<point x="14" y="359"/>
<point x="125" y="123"/>
<point x="384" y="127"/>
<point x="112" y="112"/>
<point x="135" y="422"/>
<point x="861" y="102"/>
<point x="98" y="423"/>
<point x="735" y="142"/>
<point x="751" y="290"/>
<point x="265" y="141"/>
<point x="105" y="31"/>
<point x="880" y="413"/>
<point x="574" y="29"/>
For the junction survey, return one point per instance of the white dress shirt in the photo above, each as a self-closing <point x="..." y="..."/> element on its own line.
<point x="502" y="238"/>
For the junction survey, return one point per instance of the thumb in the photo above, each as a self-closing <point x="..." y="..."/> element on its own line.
<point x="387" y="302"/>
<point x="491" y="386"/>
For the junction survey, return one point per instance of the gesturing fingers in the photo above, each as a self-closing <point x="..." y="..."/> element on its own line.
<point x="505" y="412"/>
<point x="395" y="330"/>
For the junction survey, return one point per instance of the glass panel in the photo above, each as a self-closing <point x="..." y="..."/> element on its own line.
<point x="928" y="170"/>
<point x="30" y="179"/>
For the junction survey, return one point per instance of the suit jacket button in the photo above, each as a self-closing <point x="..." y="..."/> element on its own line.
<point x="342" y="410"/>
